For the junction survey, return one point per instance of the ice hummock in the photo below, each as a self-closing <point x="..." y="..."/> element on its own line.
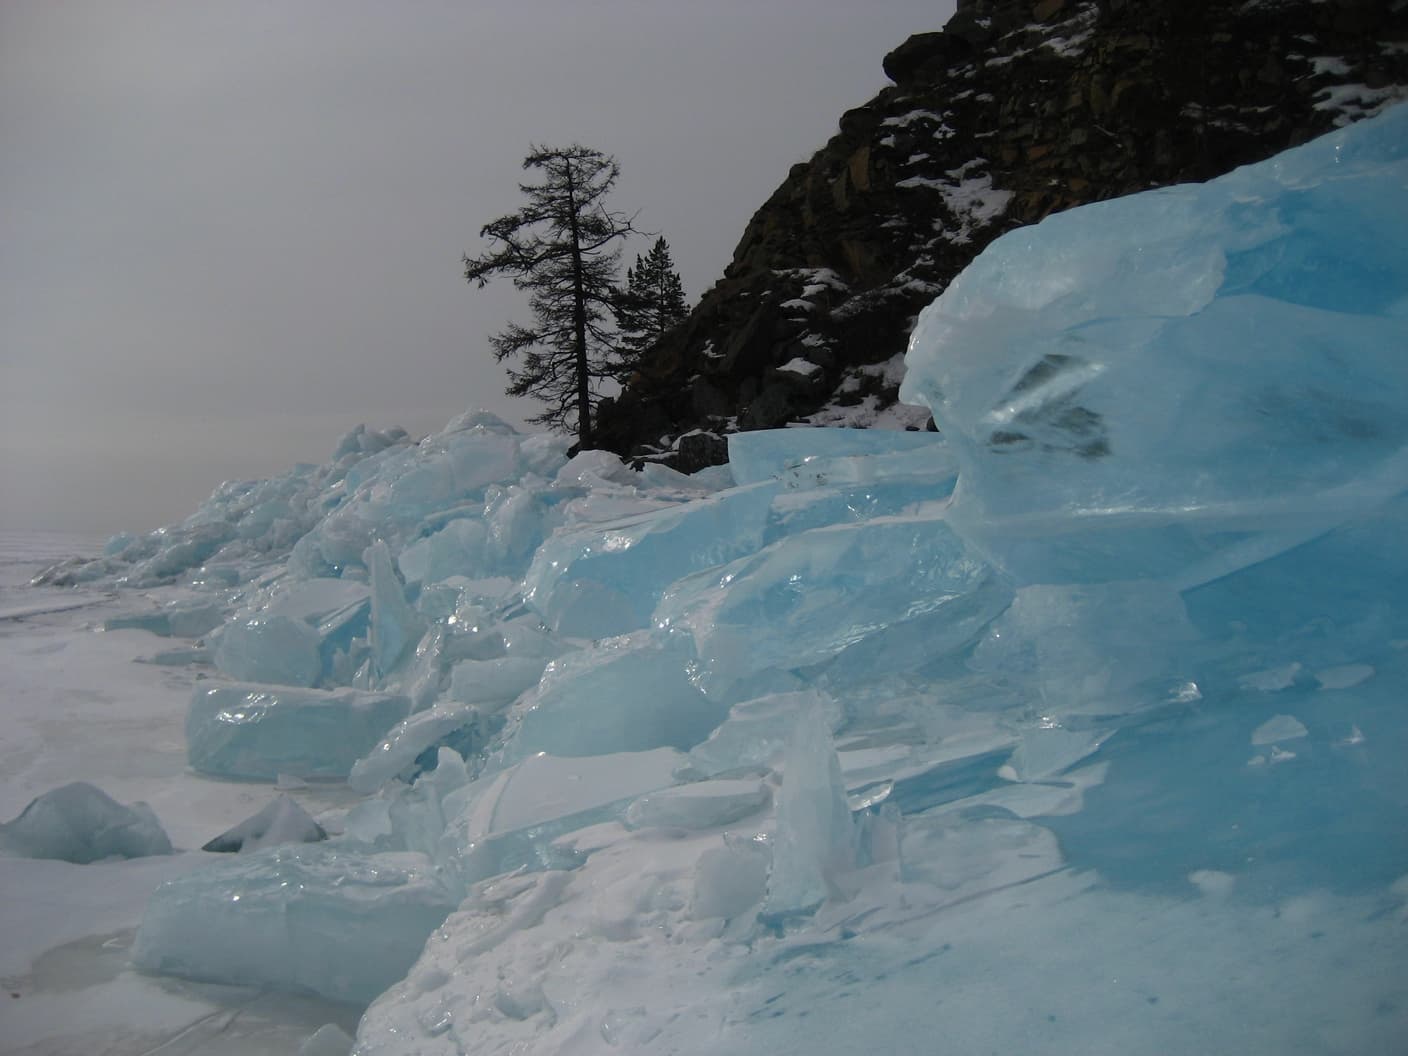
<point x="1004" y="735"/>
<point x="81" y="823"/>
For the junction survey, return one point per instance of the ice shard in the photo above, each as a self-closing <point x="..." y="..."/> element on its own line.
<point x="808" y="597"/>
<point x="271" y="648"/>
<point x="395" y="625"/>
<point x="631" y="694"/>
<point x="260" y="732"/>
<point x="603" y="580"/>
<point x="815" y="842"/>
<point x="399" y="753"/>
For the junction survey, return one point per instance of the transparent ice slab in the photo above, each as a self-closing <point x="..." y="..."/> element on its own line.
<point x="1180" y="384"/>
<point x="260" y="732"/>
<point x="297" y="917"/>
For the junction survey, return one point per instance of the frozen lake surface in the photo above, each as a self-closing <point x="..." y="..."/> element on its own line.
<point x="76" y="706"/>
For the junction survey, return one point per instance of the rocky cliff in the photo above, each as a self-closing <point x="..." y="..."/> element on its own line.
<point x="1014" y="110"/>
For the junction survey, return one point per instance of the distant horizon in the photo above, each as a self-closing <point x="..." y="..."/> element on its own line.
<point x="234" y="232"/>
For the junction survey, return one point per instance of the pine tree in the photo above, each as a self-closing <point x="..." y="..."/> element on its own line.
<point x="561" y="248"/>
<point x="651" y="304"/>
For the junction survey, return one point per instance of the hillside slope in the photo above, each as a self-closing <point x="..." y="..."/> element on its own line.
<point x="1014" y="111"/>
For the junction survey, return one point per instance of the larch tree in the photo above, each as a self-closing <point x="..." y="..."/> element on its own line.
<point x="563" y="249"/>
<point x="650" y="305"/>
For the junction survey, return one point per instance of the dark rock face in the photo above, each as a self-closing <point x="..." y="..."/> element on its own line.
<point x="1013" y="111"/>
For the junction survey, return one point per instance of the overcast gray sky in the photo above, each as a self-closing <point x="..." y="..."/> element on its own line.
<point x="231" y="231"/>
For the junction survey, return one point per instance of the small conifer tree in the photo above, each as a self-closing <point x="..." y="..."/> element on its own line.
<point x="650" y="305"/>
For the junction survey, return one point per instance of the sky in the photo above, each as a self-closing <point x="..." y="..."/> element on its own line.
<point x="231" y="231"/>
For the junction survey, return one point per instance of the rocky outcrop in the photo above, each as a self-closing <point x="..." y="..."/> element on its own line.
<point x="1013" y="111"/>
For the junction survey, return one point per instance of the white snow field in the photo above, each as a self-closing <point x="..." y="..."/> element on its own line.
<point x="1077" y="727"/>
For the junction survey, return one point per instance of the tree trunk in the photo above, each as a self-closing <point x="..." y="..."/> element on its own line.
<point x="579" y="323"/>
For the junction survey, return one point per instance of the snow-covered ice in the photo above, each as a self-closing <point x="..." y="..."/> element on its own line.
<point x="282" y="821"/>
<point x="1076" y="727"/>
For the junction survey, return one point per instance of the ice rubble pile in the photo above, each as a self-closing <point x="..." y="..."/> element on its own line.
<point x="1143" y="594"/>
<point x="242" y="522"/>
